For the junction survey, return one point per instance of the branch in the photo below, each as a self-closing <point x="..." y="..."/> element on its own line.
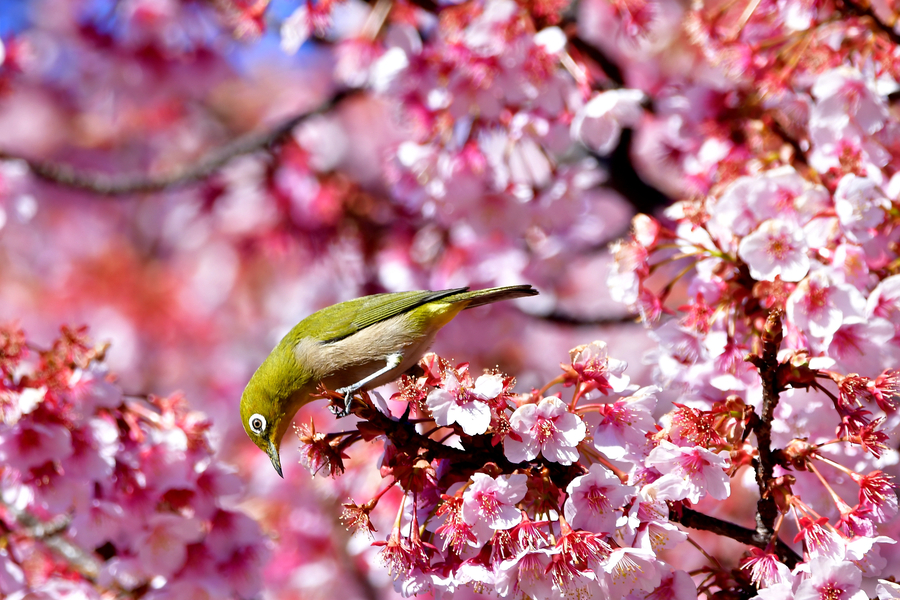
<point x="118" y="185"/>
<point x="697" y="520"/>
<point x="50" y="535"/>
<point x="612" y="70"/>
<point x="478" y="453"/>
<point x="863" y="8"/>
<point x="561" y="318"/>
<point x="767" y="364"/>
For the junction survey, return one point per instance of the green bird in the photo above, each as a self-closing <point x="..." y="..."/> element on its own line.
<point x="361" y="343"/>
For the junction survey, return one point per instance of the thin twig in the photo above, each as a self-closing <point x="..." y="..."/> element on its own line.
<point x="119" y="185"/>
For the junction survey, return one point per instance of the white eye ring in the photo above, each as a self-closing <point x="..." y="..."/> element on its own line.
<point x="257" y="423"/>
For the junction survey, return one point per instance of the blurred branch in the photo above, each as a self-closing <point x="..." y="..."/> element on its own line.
<point x="117" y="185"/>
<point x="624" y="179"/>
<point x="49" y="534"/>
<point x="697" y="520"/>
<point x="863" y="8"/>
<point x="590" y="51"/>
<point x="562" y="318"/>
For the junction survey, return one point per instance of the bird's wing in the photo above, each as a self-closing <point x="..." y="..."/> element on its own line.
<point x="343" y="320"/>
<point x="381" y="307"/>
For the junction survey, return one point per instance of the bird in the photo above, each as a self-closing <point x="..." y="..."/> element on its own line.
<point x="353" y="345"/>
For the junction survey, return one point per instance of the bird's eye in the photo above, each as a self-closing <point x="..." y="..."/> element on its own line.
<point x="257" y="423"/>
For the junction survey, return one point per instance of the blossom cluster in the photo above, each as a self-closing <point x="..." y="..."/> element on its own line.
<point x="815" y="247"/>
<point x="790" y="211"/>
<point x="109" y="494"/>
<point x="532" y="495"/>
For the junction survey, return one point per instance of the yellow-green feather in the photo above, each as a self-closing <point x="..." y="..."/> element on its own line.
<point x="281" y="385"/>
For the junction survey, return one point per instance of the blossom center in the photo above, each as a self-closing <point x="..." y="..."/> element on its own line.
<point x="830" y="592"/>
<point x="626" y="570"/>
<point x="817" y="298"/>
<point x="488" y="503"/>
<point x="545" y="430"/>
<point x="597" y="500"/>
<point x="693" y="463"/>
<point x="780" y="246"/>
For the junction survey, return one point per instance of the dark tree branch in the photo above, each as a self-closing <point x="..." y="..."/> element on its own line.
<point x="767" y="364"/>
<point x="118" y="185"/>
<point x="697" y="520"/>
<point x="863" y="8"/>
<point x="561" y="318"/>
<point x="590" y="51"/>
<point x="624" y="179"/>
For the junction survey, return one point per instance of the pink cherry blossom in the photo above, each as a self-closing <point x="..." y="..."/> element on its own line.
<point x="876" y="493"/>
<point x="776" y="248"/>
<point x="592" y="364"/>
<point x="831" y="580"/>
<point x="819" y="540"/>
<point x="656" y="535"/>
<point x="619" y="428"/>
<point x="887" y="589"/>
<point x="628" y="570"/>
<point x="598" y="124"/>
<point x="33" y="444"/>
<point x="676" y="585"/>
<point x="457" y="403"/>
<point x="860" y="205"/>
<point x="547" y="428"/>
<point x="819" y="305"/>
<point x="845" y="90"/>
<point x="493" y="500"/>
<point x="163" y="546"/>
<point x="527" y="574"/>
<point x="594" y="500"/>
<point x="697" y="471"/>
<point x="765" y="569"/>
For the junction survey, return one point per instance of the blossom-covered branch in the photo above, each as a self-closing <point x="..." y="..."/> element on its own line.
<point x="100" y="492"/>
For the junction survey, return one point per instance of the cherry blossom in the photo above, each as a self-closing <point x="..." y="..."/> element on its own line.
<point x="598" y="124"/>
<point x="820" y="306"/>
<point x="619" y="428"/>
<point x="829" y="579"/>
<point x="494" y="500"/>
<point x="454" y="403"/>
<point x="593" y="498"/>
<point x="700" y="471"/>
<point x="546" y="428"/>
<point x="592" y="364"/>
<point x="776" y="249"/>
<point x="860" y="206"/>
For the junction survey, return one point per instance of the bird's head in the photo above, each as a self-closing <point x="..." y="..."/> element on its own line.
<point x="269" y="403"/>
<point x="263" y="422"/>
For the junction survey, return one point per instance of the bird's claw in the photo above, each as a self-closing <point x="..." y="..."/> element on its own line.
<point x="337" y="410"/>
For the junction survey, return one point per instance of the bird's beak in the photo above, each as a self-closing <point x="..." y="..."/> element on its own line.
<point x="272" y="451"/>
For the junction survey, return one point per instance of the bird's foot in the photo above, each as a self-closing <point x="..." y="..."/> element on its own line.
<point x="347" y="393"/>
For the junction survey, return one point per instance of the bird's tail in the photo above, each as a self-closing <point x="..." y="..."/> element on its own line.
<point x="490" y="295"/>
